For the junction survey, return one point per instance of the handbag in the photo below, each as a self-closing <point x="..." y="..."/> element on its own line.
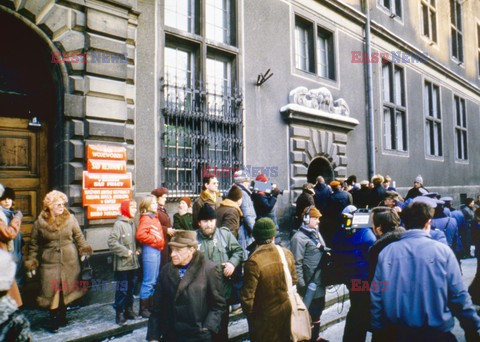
<point x="86" y="272"/>
<point x="300" y="322"/>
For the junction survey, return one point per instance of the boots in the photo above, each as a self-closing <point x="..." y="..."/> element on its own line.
<point x="62" y="316"/>
<point x="53" y="324"/>
<point x="129" y="314"/>
<point x="145" y="307"/>
<point x="315" y="331"/>
<point x="120" y="318"/>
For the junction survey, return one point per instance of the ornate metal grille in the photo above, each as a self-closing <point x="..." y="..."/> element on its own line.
<point x="202" y="133"/>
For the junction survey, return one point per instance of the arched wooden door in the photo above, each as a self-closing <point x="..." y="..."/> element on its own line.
<point x="24" y="166"/>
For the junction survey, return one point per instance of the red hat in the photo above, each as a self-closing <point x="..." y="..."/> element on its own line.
<point x="261" y="178"/>
<point x="125" y="209"/>
<point x="186" y="200"/>
<point x="159" y="192"/>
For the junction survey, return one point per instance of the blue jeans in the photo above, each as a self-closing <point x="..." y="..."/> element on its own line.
<point x="126" y="281"/>
<point x="151" y="258"/>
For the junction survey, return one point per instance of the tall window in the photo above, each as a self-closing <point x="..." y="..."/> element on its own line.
<point x="456" y="29"/>
<point x="429" y="16"/>
<point x="393" y="6"/>
<point x="314" y="55"/>
<point x="304" y="56"/>
<point x="433" y="117"/>
<point x="201" y="107"/>
<point x="460" y="127"/>
<point x="219" y="16"/>
<point x="394" y="108"/>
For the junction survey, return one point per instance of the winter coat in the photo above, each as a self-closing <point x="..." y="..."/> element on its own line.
<point x="448" y="225"/>
<point x="264" y="295"/>
<point x="382" y="242"/>
<point x="8" y="232"/>
<point x="263" y="204"/>
<point x="337" y="201"/>
<point x="305" y="200"/>
<point x="56" y="246"/>
<point x="376" y="196"/>
<point x="166" y="223"/>
<point x="229" y="215"/>
<point x="121" y="240"/>
<point x="322" y="194"/>
<point x="414" y="192"/>
<point x="188" y="308"/>
<point x="204" y="197"/>
<point x="469" y="215"/>
<point x="14" y="326"/>
<point x="361" y="197"/>
<point x="219" y="248"/>
<point x="307" y="257"/>
<point x="350" y="253"/>
<point x="183" y="222"/>
<point x="248" y="210"/>
<point x="149" y="231"/>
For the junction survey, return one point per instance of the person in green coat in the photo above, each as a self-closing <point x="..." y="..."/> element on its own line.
<point x="123" y="245"/>
<point x="183" y="219"/>
<point x="220" y="246"/>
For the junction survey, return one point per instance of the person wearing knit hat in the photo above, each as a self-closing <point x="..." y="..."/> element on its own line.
<point x="13" y="324"/>
<point x="221" y="247"/>
<point x="183" y="219"/>
<point x="123" y="245"/>
<point x="334" y="184"/>
<point x="229" y="212"/>
<point x="264" y="286"/>
<point x="241" y="176"/>
<point x="261" y="178"/>
<point x="418" y="189"/>
<point x="307" y="257"/>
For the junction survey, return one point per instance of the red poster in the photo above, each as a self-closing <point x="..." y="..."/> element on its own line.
<point x="106" y="196"/>
<point x="107" y="181"/>
<point x="106" y="166"/>
<point x="106" y="152"/>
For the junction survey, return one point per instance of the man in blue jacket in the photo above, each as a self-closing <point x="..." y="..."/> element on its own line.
<point x="424" y="290"/>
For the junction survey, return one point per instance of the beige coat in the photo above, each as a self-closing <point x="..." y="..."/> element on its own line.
<point x="55" y="249"/>
<point x="7" y="234"/>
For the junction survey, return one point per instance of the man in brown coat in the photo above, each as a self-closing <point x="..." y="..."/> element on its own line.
<point x="229" y="212"/>
<point x="208" y="195"/>
<point x="264" y="294"/>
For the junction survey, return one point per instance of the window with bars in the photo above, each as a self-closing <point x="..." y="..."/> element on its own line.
<point x="429" y="18"/>
<point x="394" y="107"/>
<point x="460" y="127"/>
<point x="433" y="117"/>
<point x="456" y="29"/>
<point x="314" y="55"/>
<point x="202" y="104"/>
<point x="392" y="6"/>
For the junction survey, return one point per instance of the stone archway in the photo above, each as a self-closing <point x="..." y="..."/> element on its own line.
<point x="320" y="166"/>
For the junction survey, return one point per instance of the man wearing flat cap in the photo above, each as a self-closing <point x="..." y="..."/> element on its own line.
<point x="189" y="301"/>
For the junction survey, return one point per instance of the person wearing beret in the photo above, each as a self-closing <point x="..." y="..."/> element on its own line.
<point x="189" y="302"/>
<point x="183" y="219"/>
<point x="264" y="295"/>
<point x="164" y="218"/>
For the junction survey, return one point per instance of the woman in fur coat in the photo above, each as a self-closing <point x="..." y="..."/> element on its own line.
<point x="56" y="245"/>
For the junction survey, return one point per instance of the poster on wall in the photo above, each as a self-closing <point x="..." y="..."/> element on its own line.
<point x="106" y="182"/>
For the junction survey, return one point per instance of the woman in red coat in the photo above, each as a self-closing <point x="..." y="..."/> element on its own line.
<point x="150" y="235"/>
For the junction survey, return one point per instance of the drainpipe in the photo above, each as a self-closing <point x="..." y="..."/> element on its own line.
<point x="370" y="116"/>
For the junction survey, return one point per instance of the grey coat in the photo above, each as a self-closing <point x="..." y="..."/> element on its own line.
<point x="307" y="257"/>
<point x="120" y="241"/>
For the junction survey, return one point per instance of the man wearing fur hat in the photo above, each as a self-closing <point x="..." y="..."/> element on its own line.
<point x="189" y="302"/>
<point x="209" y="195"/>
<point x="264" y="294"/>
<point x="13" y="325"/>
<point x="220" y="246"/>
<point x="418" y="188"/>
<point x="307" y="246"/>
<point x="229" y="213"/>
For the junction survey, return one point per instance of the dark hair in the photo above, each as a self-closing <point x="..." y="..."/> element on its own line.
<point x="469" y="200"/>
<point x="352" y="179"/>
<point x="206" y="180"/>
<point x="385" y="218"/>
<point x="264" y="242"/>
<point x="417" y="215"/>
<point x="439" y="211"/>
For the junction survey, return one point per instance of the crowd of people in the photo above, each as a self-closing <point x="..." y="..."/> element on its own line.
<point x="220" y="255"/>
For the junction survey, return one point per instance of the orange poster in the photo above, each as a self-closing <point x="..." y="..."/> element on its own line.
<point x="106" y="152"/>
<point x="106" y="166"/>
<point x="102" y="211"/>
<point x="106" y="196"/>
<point x="107" y="181"/>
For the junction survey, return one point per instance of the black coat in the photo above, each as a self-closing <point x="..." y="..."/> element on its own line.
<point x="360" y="197"/>
<point x="414" y="192"/>
<point x="322" y="194"/>
<point x="377" y="195"/>
<point x="187" y="309"/>
<point x="263" y="204"/>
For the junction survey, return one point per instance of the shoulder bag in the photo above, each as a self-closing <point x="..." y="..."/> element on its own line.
<point x="300" y="323"/>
